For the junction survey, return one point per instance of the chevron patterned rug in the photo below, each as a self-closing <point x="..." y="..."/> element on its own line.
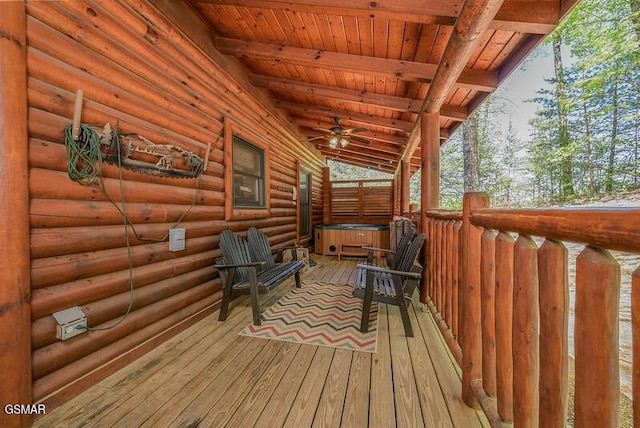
<point x="320" y="314"/>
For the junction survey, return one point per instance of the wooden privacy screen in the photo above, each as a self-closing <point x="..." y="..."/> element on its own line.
<point x="361" y="201"/>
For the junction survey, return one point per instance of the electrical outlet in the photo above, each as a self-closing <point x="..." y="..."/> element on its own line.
<point x="176" y="239"/>
<point x="72" y="329"/>
<point x="71" y="322"/>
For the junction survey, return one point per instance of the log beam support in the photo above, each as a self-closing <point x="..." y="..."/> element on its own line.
<point x="430" y="179"/>
<point x="15" y="316"/>
<point x="326" y="195"/>
<point x="405" y="176"/>
<point x="430" y="152"/>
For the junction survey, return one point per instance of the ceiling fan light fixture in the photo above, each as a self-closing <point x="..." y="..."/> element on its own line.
<point x="343" y="142"/>
<point x="333" y="142"/>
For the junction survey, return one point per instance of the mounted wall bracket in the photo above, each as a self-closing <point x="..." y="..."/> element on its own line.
<point x="71" y="322"/>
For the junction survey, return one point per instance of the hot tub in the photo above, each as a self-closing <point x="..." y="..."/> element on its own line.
<point x="346" y="239"/>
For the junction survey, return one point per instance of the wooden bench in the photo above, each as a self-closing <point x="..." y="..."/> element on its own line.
<point x="245" y="268"/>
<point x="391" y="286"/>
<point x="351" y="249"/>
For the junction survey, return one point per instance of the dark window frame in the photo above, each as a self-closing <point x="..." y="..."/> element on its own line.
<point x="259" y="176"/>
<point x="243" y="212"/>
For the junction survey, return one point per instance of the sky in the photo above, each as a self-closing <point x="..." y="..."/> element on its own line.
<point x="523" y="84"/>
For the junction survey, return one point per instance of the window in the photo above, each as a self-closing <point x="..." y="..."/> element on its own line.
<point x="248" y="175"/>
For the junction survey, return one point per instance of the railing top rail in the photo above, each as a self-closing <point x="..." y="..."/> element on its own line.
<point x="445" y="215"/>
<point x="610" y="228"/>
<point x="373" y="180"/>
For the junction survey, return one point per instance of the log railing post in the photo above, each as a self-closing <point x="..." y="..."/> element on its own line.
<point x="554" y="315"/>
<point x="525" y="333"/>
<point x="430" y="252"/>
<point x="470" y="328"/>
<point x="488" y="275"/>
<point x="461" y="273"/>
<point x="442" y="294"/>
<point x="439" y="263"/>
<point x="15" y="316"/>
<point x="597" y="382"/>
<point x="504" y="325"/>
<point x="449" y="275"/>
<point x="635" y="328"/>
<point x="532" y="338"/>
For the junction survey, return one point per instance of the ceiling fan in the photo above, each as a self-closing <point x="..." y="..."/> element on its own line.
<point x="337" y="134"/>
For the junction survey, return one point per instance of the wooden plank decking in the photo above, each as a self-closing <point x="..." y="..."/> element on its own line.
<point x="210" y="376"/>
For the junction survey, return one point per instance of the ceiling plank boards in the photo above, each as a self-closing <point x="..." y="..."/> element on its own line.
<point x="376" y="65"/>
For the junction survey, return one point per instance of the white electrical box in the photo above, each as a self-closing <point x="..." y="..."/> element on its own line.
<point x="71" y="322"/>
<point x="176" y="239"/>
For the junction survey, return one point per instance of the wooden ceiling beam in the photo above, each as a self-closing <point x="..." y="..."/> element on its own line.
<point x="477" y="80"/>
<point x="362" y="165"/>
<point x="349" y="116"/>
<point x="567" y="6"/>
<point x="348" y="95"/>
<point x="527" y="16"/>
<point x="356" y="152"/>
<point x="388" y="102"/>
<point x="358" y="160"/>
<point x="467" y="35"/>
<point x="311" y="123"/>
<point x="310" y="132"/>
<point x="383" y="148"/>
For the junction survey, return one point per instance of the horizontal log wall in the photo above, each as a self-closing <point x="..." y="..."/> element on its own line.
<point x="151" y="68"/>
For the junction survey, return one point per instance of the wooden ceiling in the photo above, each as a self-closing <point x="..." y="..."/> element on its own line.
<point x="372" y="63"/>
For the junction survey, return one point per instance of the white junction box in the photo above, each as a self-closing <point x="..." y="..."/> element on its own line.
<point x="71" y="322"/>
<point x="176" y="239"/>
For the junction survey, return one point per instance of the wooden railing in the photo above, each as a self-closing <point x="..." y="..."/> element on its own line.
<point x="502" y="304"/>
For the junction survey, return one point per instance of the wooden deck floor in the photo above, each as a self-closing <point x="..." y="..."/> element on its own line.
<point x="210" y="376"/>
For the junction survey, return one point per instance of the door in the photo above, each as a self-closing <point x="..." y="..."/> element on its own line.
<point x="305" y="204"/>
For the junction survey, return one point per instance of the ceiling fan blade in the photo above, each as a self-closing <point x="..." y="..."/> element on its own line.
<point x="354" y="130"/>
<point x="323" y="130"/>
<point x="315" y="138"/>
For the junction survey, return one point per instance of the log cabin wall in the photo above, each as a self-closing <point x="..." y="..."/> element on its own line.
<point x="151" y="67"/>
